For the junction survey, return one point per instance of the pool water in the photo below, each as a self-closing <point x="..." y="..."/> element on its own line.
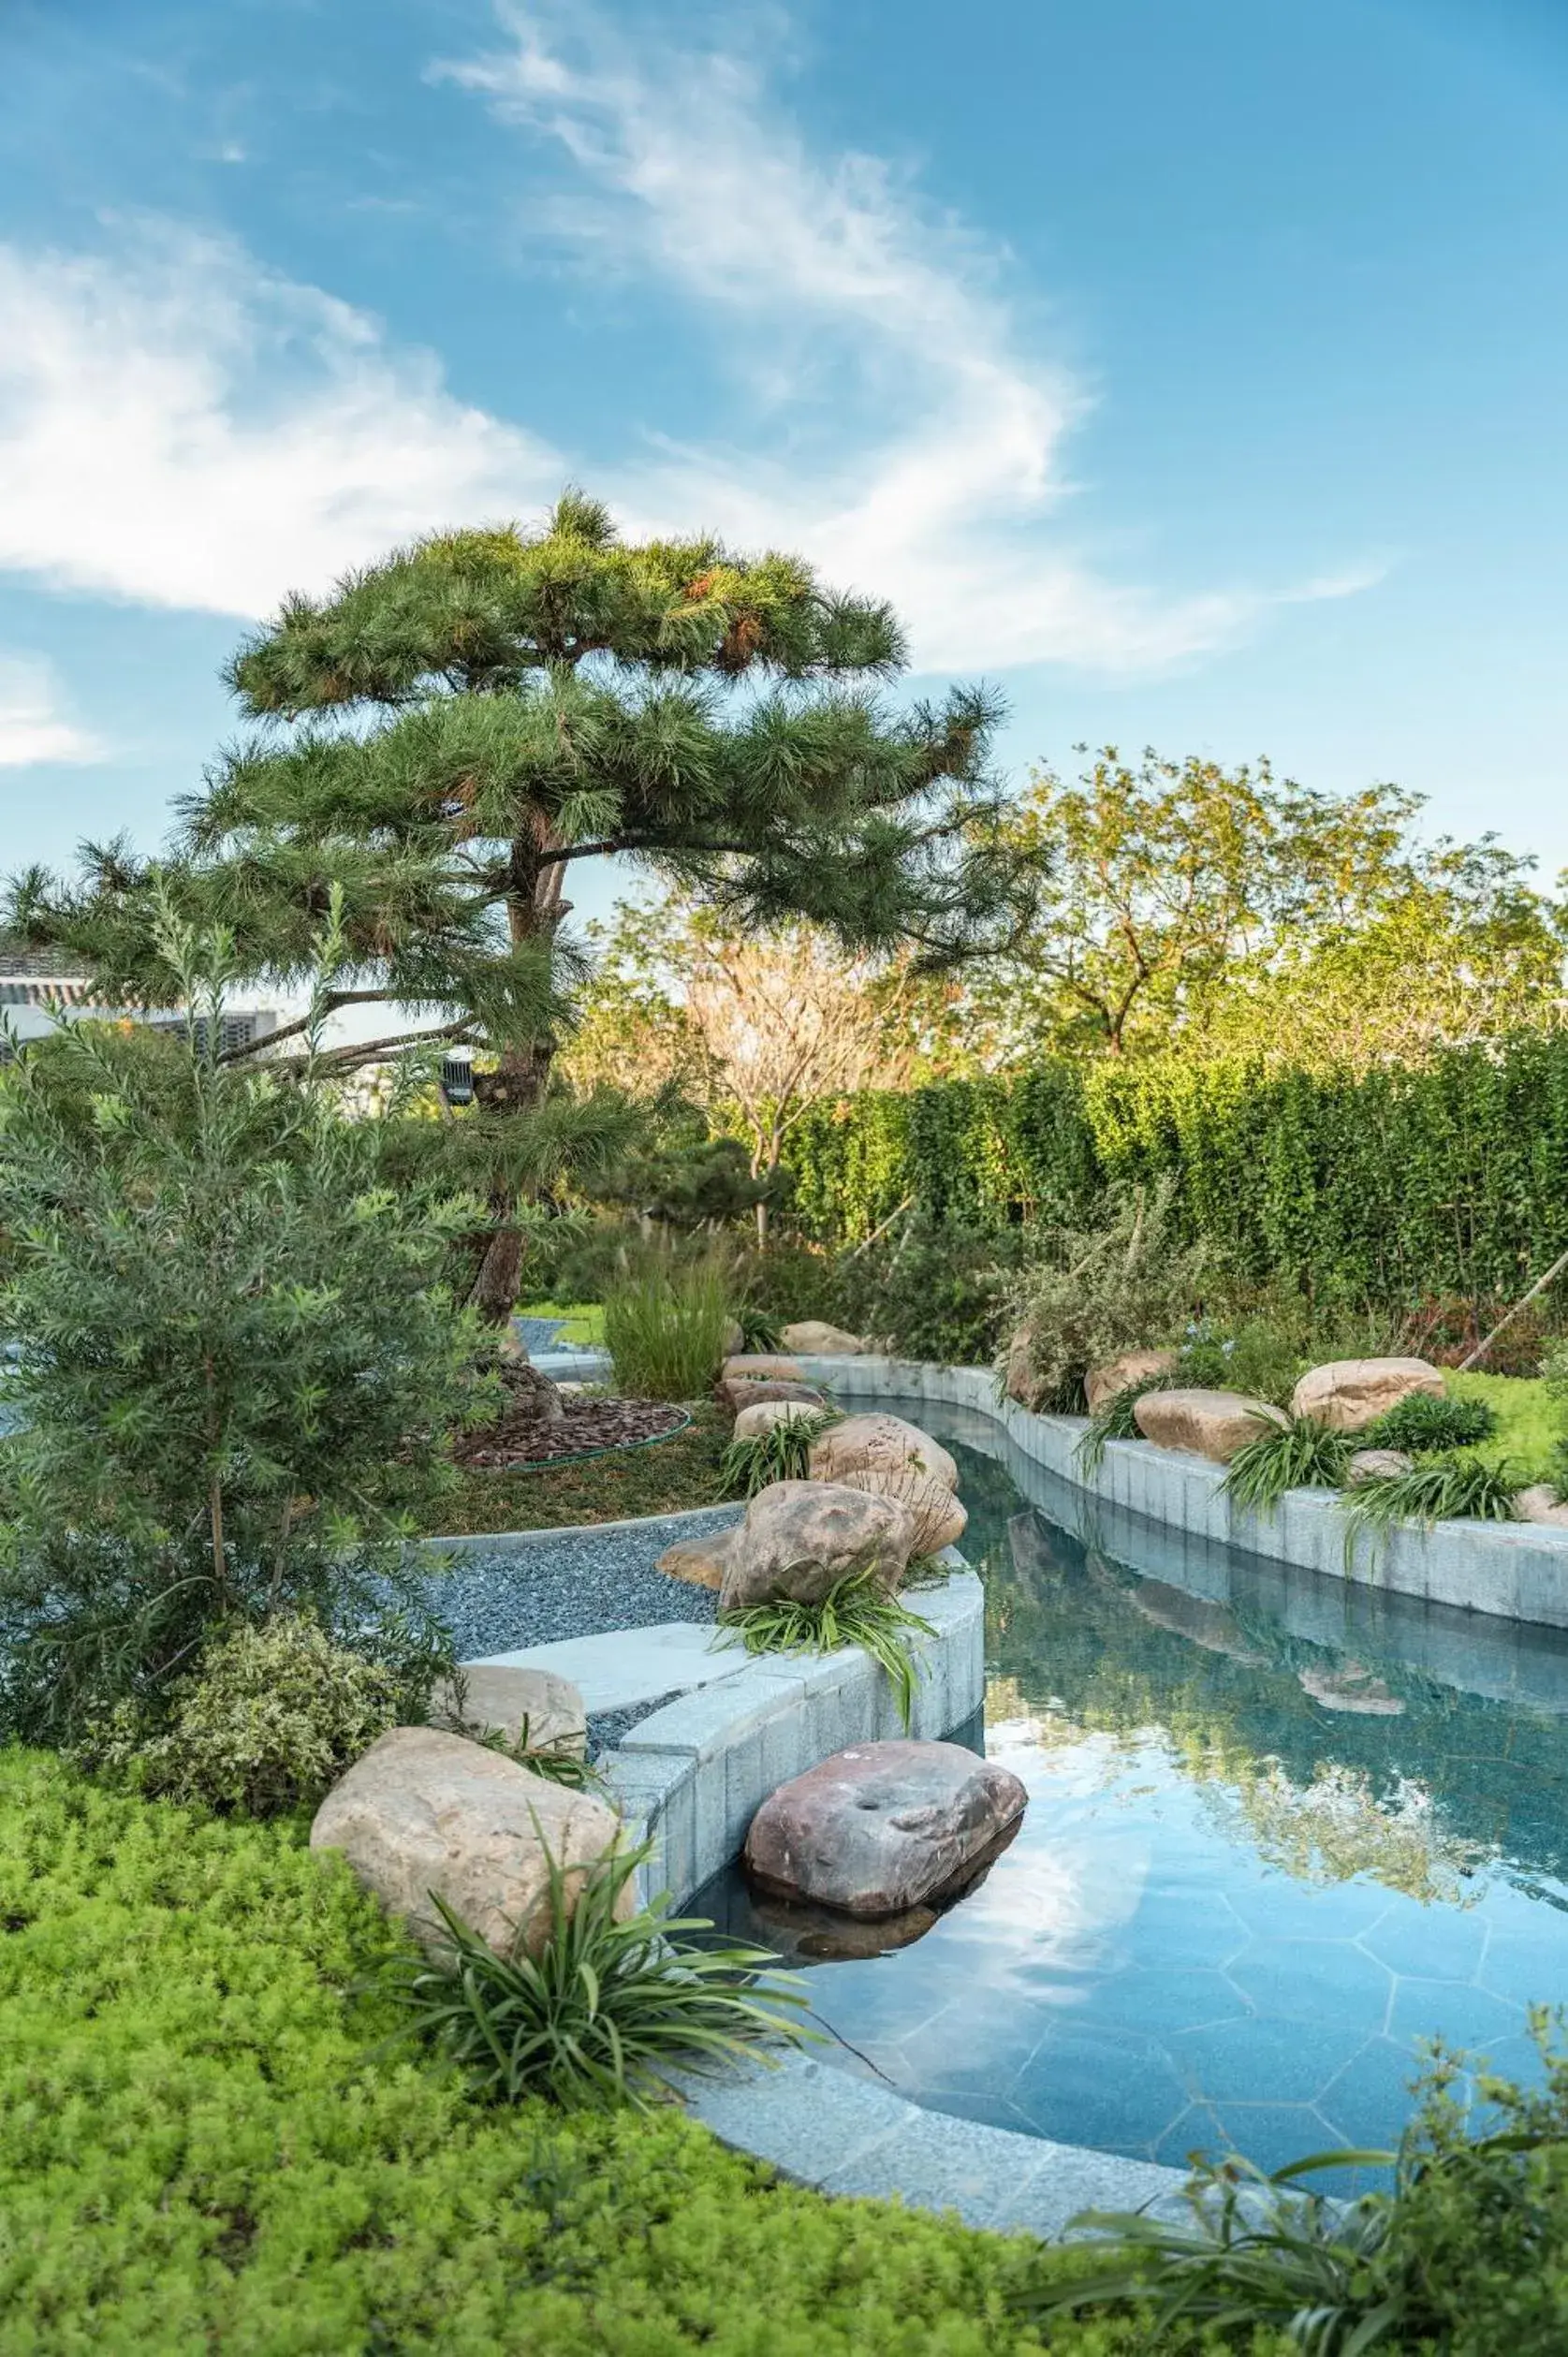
<point x="1281" y="1830"/>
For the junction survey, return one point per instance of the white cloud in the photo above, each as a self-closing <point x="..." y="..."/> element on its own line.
<point x="925" y="438"/>
<point x="183" y="428"/>
<point x="32" y="728"/>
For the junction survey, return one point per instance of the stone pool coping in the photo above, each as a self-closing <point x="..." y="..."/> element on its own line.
<point x="1516" y="1570"/>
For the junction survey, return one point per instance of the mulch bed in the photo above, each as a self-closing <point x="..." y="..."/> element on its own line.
<point x="518" y="1439"/>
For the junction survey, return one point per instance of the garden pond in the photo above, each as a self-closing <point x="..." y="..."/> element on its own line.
<point x="1282" y="1830"/>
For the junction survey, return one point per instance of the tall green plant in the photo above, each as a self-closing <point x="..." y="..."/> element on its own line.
<point x="664" y="1329"/>
<point x="1090" y="1292"/>
<point x="237" y="1365"/>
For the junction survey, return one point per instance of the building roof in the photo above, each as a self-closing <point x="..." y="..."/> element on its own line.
<point x="17" y="963"/>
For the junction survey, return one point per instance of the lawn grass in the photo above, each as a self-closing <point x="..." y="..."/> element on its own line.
<point x="659" y="1477"/>
<point x="207" y="2143"/>
<point x="585" y="1322"/>
<point x="1529" y="1424"/>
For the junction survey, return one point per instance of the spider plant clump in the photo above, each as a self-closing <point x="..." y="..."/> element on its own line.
<point x="1446" y="1489"/>
<point x="610" y="2003"/>
<point x="1114" y="1420"/>
<point x="760" y="1330"/>
<point x="1420" y="1425"/>
<point x="1300" y="1455"/>
<point x="783" y="1453"/>
<point x="859" y="1611"/>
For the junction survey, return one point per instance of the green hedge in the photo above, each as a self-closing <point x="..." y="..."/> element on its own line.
<point x="206" y="2143"/>
<point x="1452" y="1177"/>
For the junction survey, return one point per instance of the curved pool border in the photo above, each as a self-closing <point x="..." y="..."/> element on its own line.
<point x="1516" y="1570"/>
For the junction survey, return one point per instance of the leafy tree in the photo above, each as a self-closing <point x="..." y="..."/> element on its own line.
<point x="236" y="1363"/>
<point x="1187" y="904"/>
<point x="450" y="732"/>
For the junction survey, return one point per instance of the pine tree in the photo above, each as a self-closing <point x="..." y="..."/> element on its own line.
<point x="451" y="731"/>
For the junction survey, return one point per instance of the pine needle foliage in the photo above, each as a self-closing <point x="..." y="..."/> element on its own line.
<point x="783" y="1453"/>
<point x="859" y="1611"/>
<point x="237" y="1365"/>
<point x="610" y="2003"/>
<point x="1300" y="1455"/>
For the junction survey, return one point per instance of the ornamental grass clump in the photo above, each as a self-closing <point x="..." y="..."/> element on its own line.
<point x="1421" y="1424"/>
<point x="665" y="1330"/>
<point x="1114" y="1419"/>
<point x="755" y="1461"/>
<point x="1455" y="1489"/>
<point x="610" y="2003"/>
<point x="1300" y="1455"/>
<point x="858" y="1610"/>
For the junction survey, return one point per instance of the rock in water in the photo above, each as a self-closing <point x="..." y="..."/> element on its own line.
<point x="1349" y="1394"/>
<point x="880" y="1445"/>
<point x="818" y="1339"/>
<point x="1212" y="1424"/>
<point x="1120" y="1374"/>
<point x="531" y="1707"/>
<point x="1350" y="1687"/>
<point x="801" y="1538"/>
<point x="937" y="1519"/>
<point x="425" y="1811"/>
<point x="884" y="1827"/>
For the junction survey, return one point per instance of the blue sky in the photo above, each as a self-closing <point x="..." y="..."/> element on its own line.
<point x="1193" y="369"/>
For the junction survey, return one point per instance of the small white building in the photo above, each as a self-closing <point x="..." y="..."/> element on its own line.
<point x="41" y="988"/>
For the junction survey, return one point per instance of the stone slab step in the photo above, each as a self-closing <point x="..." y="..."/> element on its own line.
<point x="622" y="1667"/>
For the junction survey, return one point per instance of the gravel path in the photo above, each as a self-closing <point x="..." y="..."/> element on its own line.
<point x="576" y="1585"/>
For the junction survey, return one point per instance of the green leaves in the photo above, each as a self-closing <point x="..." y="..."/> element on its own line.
<point x="1301" y="1455"/>
<point x="859" y="1611"/>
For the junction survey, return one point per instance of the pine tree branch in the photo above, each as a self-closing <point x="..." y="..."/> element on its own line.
<point x="289" y="1031"/>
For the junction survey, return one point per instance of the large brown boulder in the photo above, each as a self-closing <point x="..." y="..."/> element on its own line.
<point x="1540" y="1502"/>
<point x="761" y="1417"/>
<point x="879" y="1444"/>
<point x="423" y="1812"/>
<point x="1121" y="1373"/>
<point x="883" y="1827"/>
<point x="735" y="1391"/>
<point x="818" y="1339"/>
<point x="532" y="1708"/>
<point x="761" y="1366"/>
<point x="937" y="1519"/>
<point x="1349" y="1394"/>
<point x="1018" y="1379"/>
<point x="801" y="1538"/>
<point x="1211" y="1424"/>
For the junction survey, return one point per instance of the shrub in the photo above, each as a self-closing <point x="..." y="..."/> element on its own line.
<point x="1252" y="1355"/>
<point x="206" y="2145"/>
<point x="1420" y="1424"/>
<point x="1442" y="1489"/>
<point x="1301" y="1455"/>
<point x="1097" y="1292"/>
<point x="783" y="1453"/>
<point x="1467" y="2252"/>
<point x="859" y="1611"/>
<point x="929" y="1292"/>
<point x="665" y="1330"/>
<point x="236" y="1366"/>
<point x="612" y="2002"/>
<point x="270" y="1719"/>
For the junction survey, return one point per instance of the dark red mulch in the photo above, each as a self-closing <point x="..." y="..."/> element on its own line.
<point x="519" y="1439"/>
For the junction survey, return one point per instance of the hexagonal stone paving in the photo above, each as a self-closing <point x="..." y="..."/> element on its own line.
<point x="1256" y="2060"/>
<point x="1301" y="1980"/>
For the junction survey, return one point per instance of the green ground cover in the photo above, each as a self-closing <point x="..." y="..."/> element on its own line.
<point x="206" y="2142"/>
<point x="585" y="1322"/>
<point x="1529" y="1424"/>
<point x="661" y="1477"/>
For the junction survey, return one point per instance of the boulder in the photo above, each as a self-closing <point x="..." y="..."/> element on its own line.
<point x="1540" y="1503"/>
<point x="1211" y="1424"/>
<point x="1349" y="1394"/>
<point x="884" y="1827"/>
<point x="936" y="1517"/>
<point x="736" y="1392"/>
<point x="1019" y="1380"/>
<point x="818" y="1339"/>
<point x="761" y="1366"/>
<point x="698" y="1561"/>
<point x="1376" y="1465"/>
<point x="1121" y="1373"/>
<point x="764" y="1414"/>
<point x="801" y="1538"/>
<point x="735" y="1340"/>
<point x="533" y="1708"/>
<point x="423" y="1812"/>
<point x="879" y="1444"/>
